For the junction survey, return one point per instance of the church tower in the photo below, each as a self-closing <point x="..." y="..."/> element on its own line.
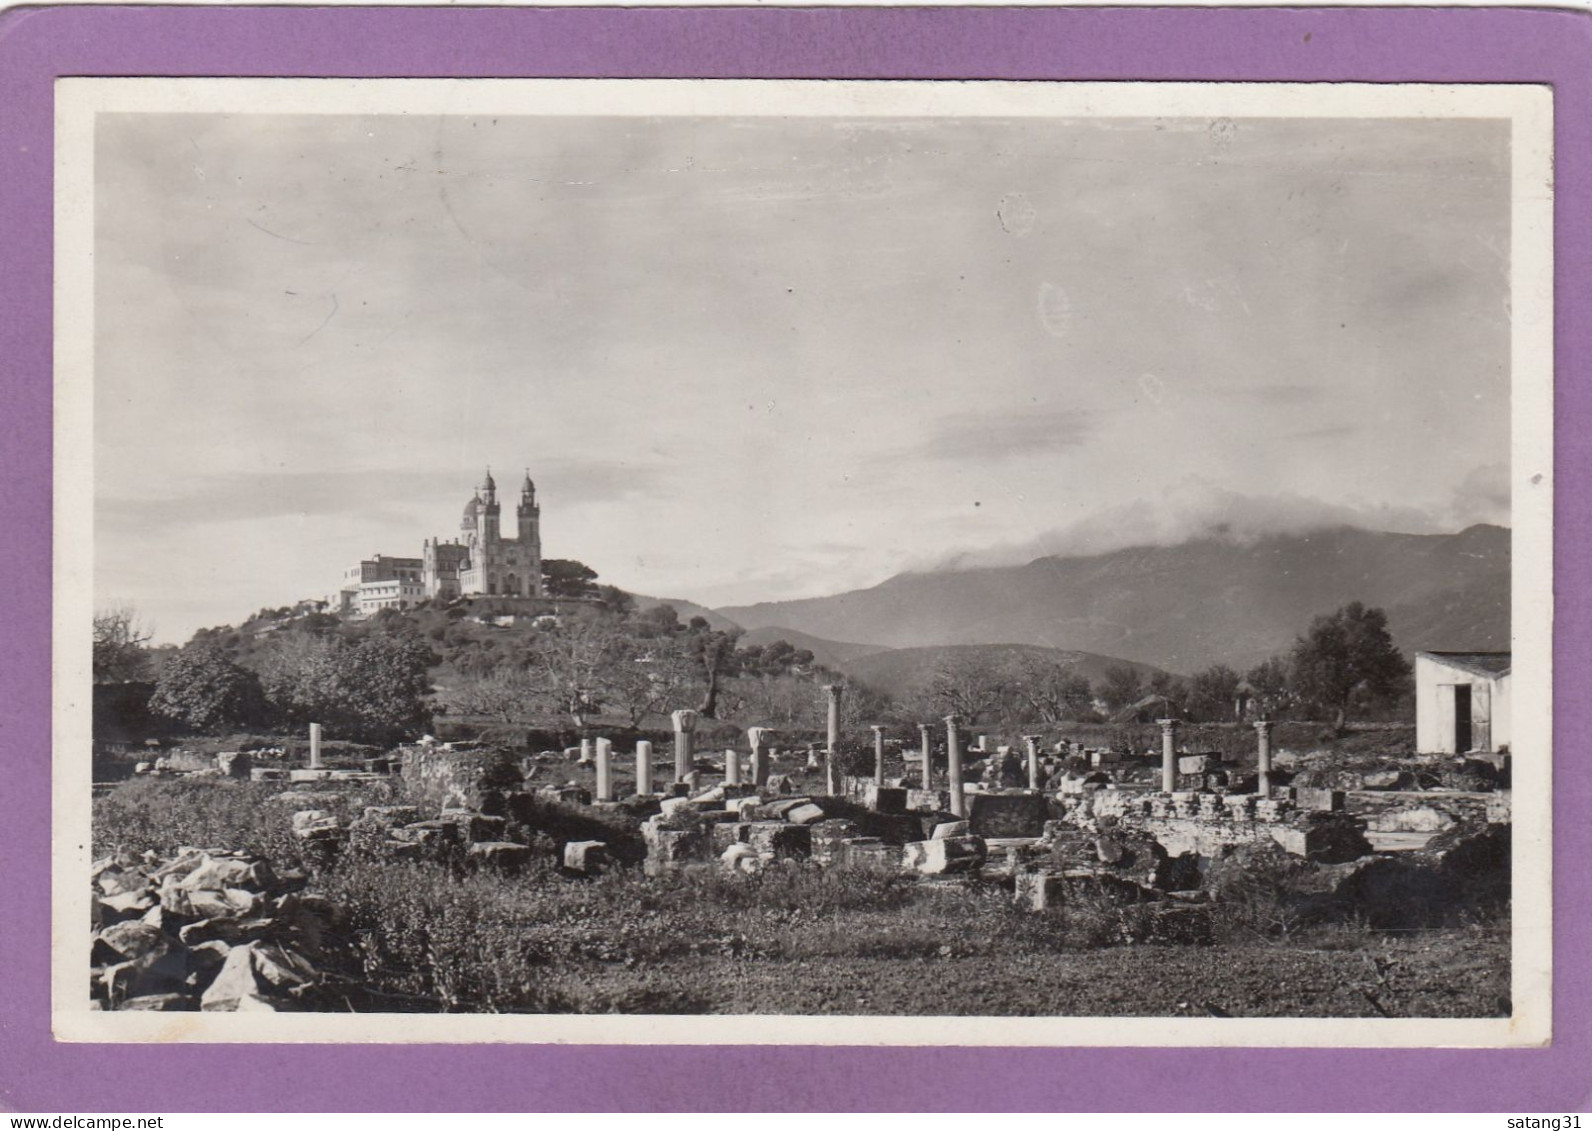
<point x="488" y="517"/>
<point x="528" y="519"/>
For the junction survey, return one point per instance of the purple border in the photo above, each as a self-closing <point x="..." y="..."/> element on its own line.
<point x="1368" y="45"/>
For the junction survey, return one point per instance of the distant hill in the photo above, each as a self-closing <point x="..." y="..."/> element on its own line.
<point x="1184" y="607"/>
<point x="834" y="654"/>
<point x="687" y="610"/>
<point x="899" y="671"/>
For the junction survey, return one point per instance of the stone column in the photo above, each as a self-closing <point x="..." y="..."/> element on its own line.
<point x="928" y="755"/>
<point x="315" y="746"/>
<point x="684" y="724"/>
<point x="644" y="767"/>
<point x="953" y="760"/>
<point x="878" y="755"/>
<point x="605" y="770"/>
<point x="832" y="739"/>
<point x="732" y="766"/>
<point x="755" y="736"/>
<point x="1168" y="755"/>
<point x="1032" y="742"/>
<point x="1263" y="757"/>
<point x="585" y="752"/>
<point x="982" y="746"/>
<point x="832" y="692"/>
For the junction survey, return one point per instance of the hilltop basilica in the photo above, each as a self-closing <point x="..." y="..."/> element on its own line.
<point x="480" y="561"/>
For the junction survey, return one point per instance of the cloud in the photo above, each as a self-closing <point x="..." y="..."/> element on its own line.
<point x="426" y="497"/>
<point x="1484" y="495"/>
<point x="984" y="435"/>
<point x="1269" y="395"/>
<point x="1191" y="510"/>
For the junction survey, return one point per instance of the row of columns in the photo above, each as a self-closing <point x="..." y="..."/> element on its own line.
<point x="685" y="725"/>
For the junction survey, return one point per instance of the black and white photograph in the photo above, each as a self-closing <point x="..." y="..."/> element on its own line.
<point x="667" y="561"/>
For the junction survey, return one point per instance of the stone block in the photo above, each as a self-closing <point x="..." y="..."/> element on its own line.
<point x="777" y="840"/>
<point x="1498" y="808"/>
<point x="306" y="775"/>
<point x="884" y="799"/>
<point x="474" y="827"/>
<point x="1038" y="891"/>
<point x="1319" y="800"/>
<point x="740" y="858"/>
<point x="776" y="810"/>
<point x="503" y="855"/>
<point x="1004" y="815"/>
<point x="432" y="834"/>
<point x="234" y="763"/>
<point x="671" y="849"/>
<point x="391" y="815"/>
<point x="565" y="794"/>
<point x="943" y="857"/>
<point x="726" y="834"/>
<point x="805" y="814"/>
<point x="828" y="837"/>
<point x="950" y="828"/>
<point x="1194" y="763"/>
<point x="1240" y="806"/>
<point x="262" y="773"/>
<point x="928" y="800"/>
<point x="316" y="824"/>
<point x="870" y="854"/>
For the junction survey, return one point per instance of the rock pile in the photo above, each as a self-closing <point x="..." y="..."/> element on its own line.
<point x="208" y="929"/>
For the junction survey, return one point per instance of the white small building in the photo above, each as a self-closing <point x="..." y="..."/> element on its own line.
<point x="1461" y="702"/>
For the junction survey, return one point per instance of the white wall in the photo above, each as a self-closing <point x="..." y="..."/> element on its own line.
<point x="1434" y="721"/>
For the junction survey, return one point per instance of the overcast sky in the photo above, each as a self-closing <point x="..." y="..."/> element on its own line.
<point x="752" y="359"/>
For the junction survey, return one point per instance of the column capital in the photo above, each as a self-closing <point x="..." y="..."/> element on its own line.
<point x="876" y="728"/>
<point x="759" y="735"/>
<point x="1032" y="737"/>
<point x="833" y="690"/>
<point x="1262" y="725"/>
<point x="684" y="721"/>
<point x="952" y="720"/>
<point x="1168" y="724"/>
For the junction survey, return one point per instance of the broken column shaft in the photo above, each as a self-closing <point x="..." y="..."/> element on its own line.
<point x="644" y="767"/>
<point x="953" y="760"/>
<point x="1263" y="757"/>
<point x="684" y="724"/>
<point x="756" y="736"/>
<point x="1168" y="755"/>
<point x="1032" y="742"/>
<point x="605" y="770"/>
<point x="832" y="739"/>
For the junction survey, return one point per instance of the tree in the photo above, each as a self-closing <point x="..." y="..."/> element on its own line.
<point x="1121" y="687"/>
<point x="1345" y="656"/>
<point x="564" y="577"/>
<point x="1268" y="683"/>
<point x="1170" y="688"/>
<point x="204" y="689"/>
<point x="121" y="650"/>
<point x="1212" y="693"/>
<point x="1051" y="691"/>
<point x="369" y="688"/>
<point x="963" y="685"/>
<point x="711" y="652"/>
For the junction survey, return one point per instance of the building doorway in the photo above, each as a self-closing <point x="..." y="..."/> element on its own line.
<point x="1463" y="736"/>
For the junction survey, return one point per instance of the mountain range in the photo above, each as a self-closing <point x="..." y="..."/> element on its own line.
<point x="1181" y="608"/>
